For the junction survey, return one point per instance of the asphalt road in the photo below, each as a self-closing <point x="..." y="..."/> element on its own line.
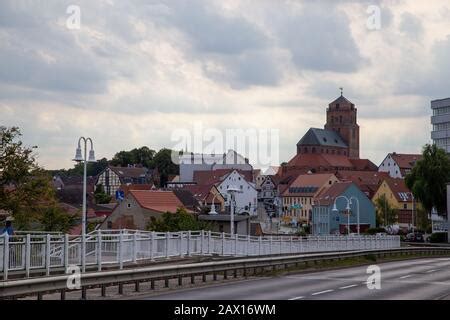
<point x="422" y="279"/>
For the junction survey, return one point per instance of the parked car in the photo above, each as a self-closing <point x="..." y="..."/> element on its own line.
<point x="414" y="237"/>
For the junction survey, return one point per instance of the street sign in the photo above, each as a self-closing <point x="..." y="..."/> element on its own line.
<point x="120" y="195"/>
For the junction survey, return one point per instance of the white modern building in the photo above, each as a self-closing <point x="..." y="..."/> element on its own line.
<point x="441" y="123"/>
<point x="191" y="162"/>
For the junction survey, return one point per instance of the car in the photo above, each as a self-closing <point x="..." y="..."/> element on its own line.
<point x="414" y="237"/>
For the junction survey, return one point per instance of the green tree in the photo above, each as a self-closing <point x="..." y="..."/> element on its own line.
<point x="178" y="221"/>
<point x="385" y="214"/>
<point x="26" y="190"/>
<point x="163" y="162"/>
<point x="429" y="177"/>
<point x="56" y="219"/>
<point x="100" y="195"/>
<point x="143" y="156"/>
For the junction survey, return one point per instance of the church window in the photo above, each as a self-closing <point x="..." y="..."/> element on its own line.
<point x="337" y="106"/>
<point x="340" y="119"/>
<point x="313" y="150"/>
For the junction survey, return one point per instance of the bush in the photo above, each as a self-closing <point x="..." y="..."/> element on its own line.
<point x="375" y="230"/>
<point x="438" y="237"/>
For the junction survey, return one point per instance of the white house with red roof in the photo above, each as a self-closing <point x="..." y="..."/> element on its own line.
<point x="398" y="165"/>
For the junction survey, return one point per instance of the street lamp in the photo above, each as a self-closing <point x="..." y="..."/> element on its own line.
<point x="79" y="158"/>
<point x="347" y="208"/>
<point x="231" y="191"/>
<point x="213" y="207"/>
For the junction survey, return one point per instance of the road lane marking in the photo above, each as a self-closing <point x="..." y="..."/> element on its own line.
<point x="296" y="298"/>
<point x="350" y="286"/>
<point x="407" y="276"/>
<point x="432" y="270"/>
<point x="321" y="292"/>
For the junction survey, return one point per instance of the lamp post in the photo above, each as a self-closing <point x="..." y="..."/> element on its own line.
<point x="347" y="208"/>
<point x="231" y="191"/>
<point x="213" y="207"/>
<point x="79" y="158"/>
<point x="357" y="212"/>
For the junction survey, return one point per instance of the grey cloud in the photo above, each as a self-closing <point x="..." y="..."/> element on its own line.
<point x="411" y="25"/>
<point x="319" y="39"/>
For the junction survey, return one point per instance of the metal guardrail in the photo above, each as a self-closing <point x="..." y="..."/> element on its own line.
<point x="31" y="252"/>
<point x="39" y="286"/>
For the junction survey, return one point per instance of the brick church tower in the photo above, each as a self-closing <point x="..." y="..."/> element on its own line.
<point x="341" y="117"/>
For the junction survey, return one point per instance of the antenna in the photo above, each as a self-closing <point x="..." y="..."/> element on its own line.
<point x="342" y="90"/>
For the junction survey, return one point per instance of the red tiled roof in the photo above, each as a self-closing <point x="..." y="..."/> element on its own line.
<point x="399" y="189"/>
<point x="200" y="192"/>
<point x="327" y="196"/>
<point x="130" y="172"/>
<point x="363" y="165"/>
<point x="308" y="180"/>
<point x="156" y="200"/>
<point x="405" y="161"/>
<point x="316" y="160"/>
<point x="367" y="181"/>
<point x="209" y="177"/>
<point x="126" y="188"/>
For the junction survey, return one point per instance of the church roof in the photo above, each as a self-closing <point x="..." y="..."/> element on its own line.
<point x="341" y="100"/>
<point x="322" y="137"/>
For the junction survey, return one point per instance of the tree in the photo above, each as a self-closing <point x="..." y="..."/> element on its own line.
<point x="163" y="162"/>
<point x="26" y="190"/>
<point x="100" y="195"/>
<point x="386" y="215"/>
<point x="142" y="156"/>
<point x="56" y="219"/>
<point x="178" y="221"/>
<point x="429" y="177"/>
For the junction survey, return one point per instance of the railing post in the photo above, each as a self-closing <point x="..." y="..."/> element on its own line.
<point x="223" y="243"/>
<point x="5" y="255"/>
<point x="134" y="248"/>
<point x="121" y="250"/>
<point x="201" y="242"/>
<point x="236" y="239"/>
<point x="189" y="243"/>
<point x="247" y="250"/>
<point x="99" y="250"/>
<point x="47" y="254"/>
<point x="66" y="251"/>
<point x="259" y="245"/>
<point x="152" y="241"/>
<point x="290" y="245"/>
<point x="28" y="254"/>
<point x="209" y="241"/>
<point x="167" y="244"/>
<point x="181" y="243"/>
<point x="270" y="246"/>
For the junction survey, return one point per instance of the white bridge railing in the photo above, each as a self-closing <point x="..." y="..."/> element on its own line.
<point x="105" y="247"/>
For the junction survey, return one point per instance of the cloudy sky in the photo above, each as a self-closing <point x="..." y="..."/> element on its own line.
<point x="135" y="71"/>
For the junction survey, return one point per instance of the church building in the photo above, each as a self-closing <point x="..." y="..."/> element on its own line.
<point x="335" y="147"/>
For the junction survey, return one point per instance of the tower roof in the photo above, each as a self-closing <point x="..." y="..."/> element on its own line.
<point x="322" y="137"/>
<point x="341" y="100"/>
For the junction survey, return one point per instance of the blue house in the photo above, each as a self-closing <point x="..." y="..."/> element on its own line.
<point x="344" y="198"/>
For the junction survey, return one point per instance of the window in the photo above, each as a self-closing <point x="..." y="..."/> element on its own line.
<point x="128" y="205"/>
<point x="109" y="225"/>
<point x="405" y="206"/>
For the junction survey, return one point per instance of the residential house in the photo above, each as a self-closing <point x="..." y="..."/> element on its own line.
<point x="367" y="181"/>
<point x="136" y="210"/>
<point x="400" y="198"/>
<point x="398" y="165"/>
<point x="327" y="221"/>
<point x="298" y="196"/>
<point x="113" y="177"/>
<point x="207" y="195"/>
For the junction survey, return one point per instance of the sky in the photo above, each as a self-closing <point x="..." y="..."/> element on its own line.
<point x="130" y="73"/>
